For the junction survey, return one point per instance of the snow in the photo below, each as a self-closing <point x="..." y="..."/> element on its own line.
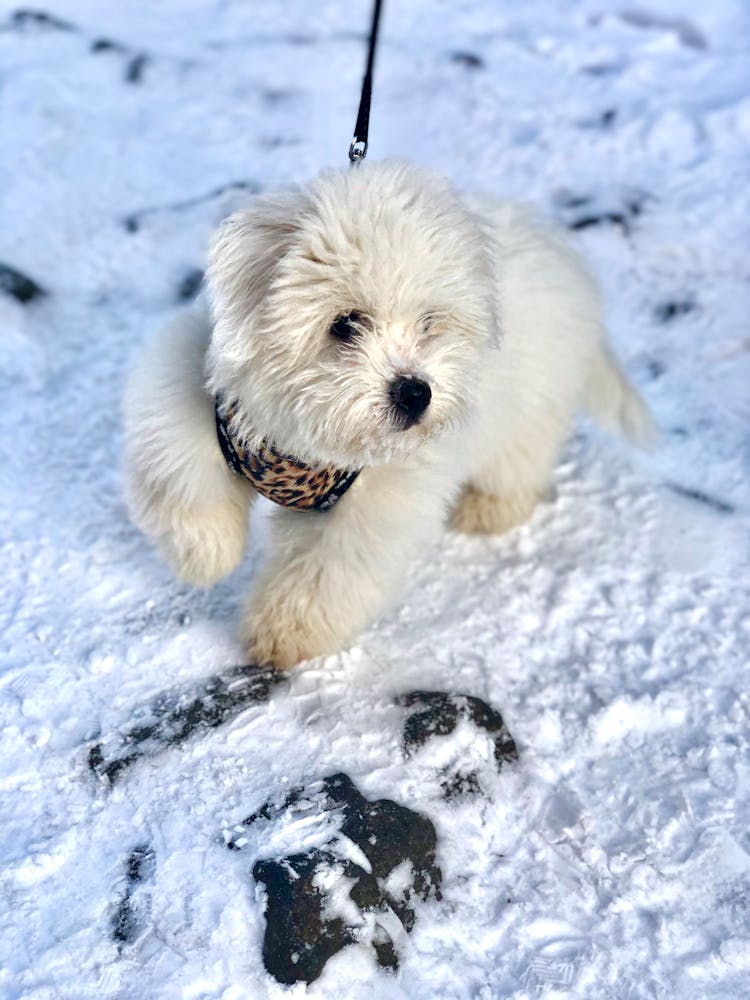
<point x="612" y="632"/>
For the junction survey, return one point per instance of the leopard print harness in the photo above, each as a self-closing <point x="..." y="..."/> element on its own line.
<point x="279" y="477"/>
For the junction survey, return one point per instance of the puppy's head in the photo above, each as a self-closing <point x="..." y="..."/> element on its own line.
<point x="350" y="317"/>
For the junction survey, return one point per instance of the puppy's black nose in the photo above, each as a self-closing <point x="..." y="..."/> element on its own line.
<point x="410" y="397"/>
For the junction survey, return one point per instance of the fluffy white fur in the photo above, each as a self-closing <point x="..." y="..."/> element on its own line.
<point x="472" y="295"/>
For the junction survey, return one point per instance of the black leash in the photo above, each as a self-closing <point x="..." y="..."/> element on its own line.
<point x="358" y="148"/>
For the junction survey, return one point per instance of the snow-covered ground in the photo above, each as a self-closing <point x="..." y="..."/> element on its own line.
<point x="612" y="632"/>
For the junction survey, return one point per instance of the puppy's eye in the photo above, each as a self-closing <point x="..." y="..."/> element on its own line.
<point x="347" y="327"/>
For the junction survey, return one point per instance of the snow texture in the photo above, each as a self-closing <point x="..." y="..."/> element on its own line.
<point x="612" y="633"/>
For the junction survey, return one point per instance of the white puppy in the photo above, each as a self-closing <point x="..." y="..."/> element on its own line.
<point x="373" y="322"/>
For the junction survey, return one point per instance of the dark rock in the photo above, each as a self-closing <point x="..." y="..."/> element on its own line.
<point x="437" y="716"/>
<point x="634" y="206"/>
<point x="566" y="199"/>
<point x="24" y="16"/>
<point x="141" y="863"/>
<point x="190" y="285"/>
<point x="21" y="287"/>
<point x="602" y="69"/>
<point x="385" y="953"/>
<point x="687" y="33"/>
<point x="302" y="932"/>
<point x="468" y="59"/>
<point x="132" y="222"/>
<point x="107" y="45"/>
<point x="602" y="120"/>
<point x="599" y="213"/>
<point x="668" y="311"/>
<point x="135" y="67"/>
<point x="656" y="369"/>
<point x="299" y="940"/>
<point x="273" y="95"/>
<point x="175" y="716"/>
<point x="601" y="218"/>
<point x="461" y="785"/>
<point x="716" y="504"/>
<point x="436" y="713"/>
<point x="132" y="909"/>
<point x="124" y="922"/>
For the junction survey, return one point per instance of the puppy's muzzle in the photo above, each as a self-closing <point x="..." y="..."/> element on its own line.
<point x="409" y="397"/>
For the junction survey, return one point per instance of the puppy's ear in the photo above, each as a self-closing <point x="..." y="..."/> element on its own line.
<point x="243" y="258"/>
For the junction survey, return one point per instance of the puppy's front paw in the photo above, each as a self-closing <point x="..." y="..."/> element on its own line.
<point x="205" y="545"/>
<point x="281" y="634"/>
<point x="483" y="514"/>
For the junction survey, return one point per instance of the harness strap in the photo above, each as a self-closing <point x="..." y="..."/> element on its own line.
<point x="281" y="478"/>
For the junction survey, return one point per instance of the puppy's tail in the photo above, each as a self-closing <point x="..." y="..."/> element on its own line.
<point x="615" y="403"/>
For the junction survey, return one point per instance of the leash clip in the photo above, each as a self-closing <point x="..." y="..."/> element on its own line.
<point x="357" y="150"/>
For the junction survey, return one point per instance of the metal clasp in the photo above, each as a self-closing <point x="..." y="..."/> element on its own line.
<point x="357" y="150"/>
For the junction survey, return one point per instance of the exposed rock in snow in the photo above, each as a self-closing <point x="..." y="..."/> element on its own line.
<point x="320" y="900"/>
